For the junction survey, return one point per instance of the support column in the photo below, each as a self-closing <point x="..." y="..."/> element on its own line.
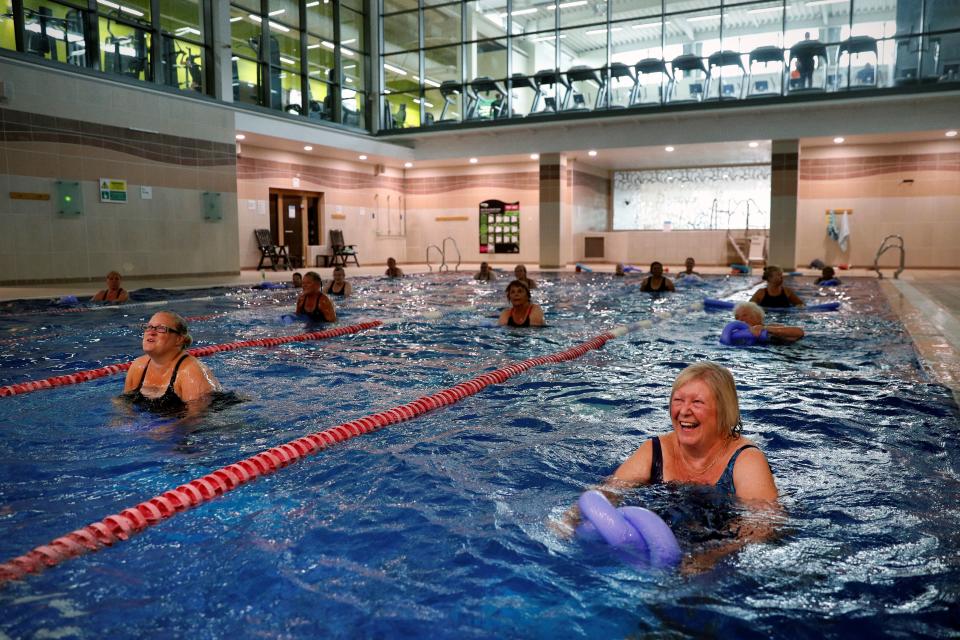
<point x="553" y="173"/>
<point x="784" y="177"/>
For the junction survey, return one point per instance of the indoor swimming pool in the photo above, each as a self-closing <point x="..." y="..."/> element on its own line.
<point x="440" y="526"/>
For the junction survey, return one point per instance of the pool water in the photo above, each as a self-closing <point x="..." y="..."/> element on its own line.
<point x="438" y="527"/>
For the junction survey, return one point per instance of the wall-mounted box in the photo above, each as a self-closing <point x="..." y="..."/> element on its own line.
<point x="212" y="207"/>
<point x="69" y="198"/>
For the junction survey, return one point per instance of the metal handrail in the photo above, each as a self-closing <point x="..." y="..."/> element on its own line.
<point x="443" y="255"/>
<point x="883" y="248"/>
<point x="442" y="261"/>
<point x="450" y="238"/>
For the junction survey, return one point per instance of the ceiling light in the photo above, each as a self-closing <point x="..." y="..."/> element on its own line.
<point x="713" y="16"/>
<point x="408" y="165"/>
<point x="307" y="147"/>
<point x="592" y="153"/>
<point x="397" y="70"/>
<point x="240" y="136"/>
<point x="474" y="161"/>
<point x="363" y="157"/>
<point x="817" y="3"/>
<point x="313" y="4"/>
<point x="668" y="149"/>
<point x="838" y="140"/>
<point x="951" y="134"/>
<point x="754" y="145"/>
<point x="236" y="19"/>
<point x="278" y="27"/>
<point x="534" y="156"/>
<point x="765" y="10"/>
<point x="277" y="12"/>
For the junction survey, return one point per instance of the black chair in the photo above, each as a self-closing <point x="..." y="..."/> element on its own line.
<point x="341" y="252"/>
<point x="276" y="253"/>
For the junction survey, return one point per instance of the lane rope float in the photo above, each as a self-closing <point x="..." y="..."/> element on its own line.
<point x="198" y="352"/>
<point x="121" y="526"/>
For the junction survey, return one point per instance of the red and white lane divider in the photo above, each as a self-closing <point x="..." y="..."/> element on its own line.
<point x="199" y="352"/>
<point x="121" y="526"/>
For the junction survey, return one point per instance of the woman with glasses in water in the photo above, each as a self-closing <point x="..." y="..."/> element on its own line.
<point x="166" y="377"/>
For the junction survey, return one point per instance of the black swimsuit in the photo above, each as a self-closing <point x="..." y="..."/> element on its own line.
<point x="342" y="293"/>
<point x="169" y="401"/>
<point x="781" y="301"/>
<point x="724" y="484"/>
<point x="106" y="295"/>
<point x="316" y="315"/>
<point x="648" y="288"/>
<point x="526" y="320"/>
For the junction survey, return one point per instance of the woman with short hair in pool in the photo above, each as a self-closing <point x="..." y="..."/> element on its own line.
<point x="688" y="271"/>
<point x="297" y="281"/>
<point x="753" y="315"/>
<point x="393" y="271"/>
<point x="313" y="303"/>
<point x="166" y="377"/>
<point x="520" y="274"/>
<point x="338" y="286"/>
<point x="485" y="274"/>
<point x="775" y="294"/>
<point x="827" y="274"/>
<point x="656" y="282"/>
<point x="705" y="446"/>
<point x="521" y="312"/>
<point x="618" y="270"/>
<point x="114" y="292"/>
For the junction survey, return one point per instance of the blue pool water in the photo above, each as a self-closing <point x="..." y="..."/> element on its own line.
<point x="438" y="527"/>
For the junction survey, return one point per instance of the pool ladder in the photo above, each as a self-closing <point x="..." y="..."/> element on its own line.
<point x="884" y="247"/>
<point x="442" y="250"/>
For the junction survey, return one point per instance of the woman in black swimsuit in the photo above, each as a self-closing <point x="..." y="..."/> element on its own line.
<point x="656" y="282"/>
<point x="167" y="377"/>
<point x="521" y="312"/>
<point x="339" y="285"/>
<point x="775" y="295"/>
<point x="313" y="303"/>
<point x="705" y="446"/>
<point x="113" y="293"/>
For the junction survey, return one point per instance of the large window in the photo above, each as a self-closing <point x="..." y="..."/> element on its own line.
<point x="312" y="65"/>
<point x="736" y="197"/>
<point x="551" y="57"/>
<point x="120" y="38"/>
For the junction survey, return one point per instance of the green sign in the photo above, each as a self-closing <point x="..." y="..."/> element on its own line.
<point x="113" y="190"/>
<point x="499" y="227"/>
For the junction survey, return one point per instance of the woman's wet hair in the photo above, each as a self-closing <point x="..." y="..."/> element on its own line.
<point x="339" y="268"/>
<point x="114" y="273"/>
<point x="518" y="283"/>
<point x="313" y="275"/>
<point x="724" y="389"/>
<point x="828" y="273"/>
<point x="180" y="325"/>
<point x="752" y="306"/>
<point x="656" y="263"/>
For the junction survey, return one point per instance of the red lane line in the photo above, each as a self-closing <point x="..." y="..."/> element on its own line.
<point x="123" y="525"/>
<point x="199" y="352"/>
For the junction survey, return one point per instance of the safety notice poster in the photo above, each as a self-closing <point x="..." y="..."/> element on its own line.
<point x="499" y="227"/>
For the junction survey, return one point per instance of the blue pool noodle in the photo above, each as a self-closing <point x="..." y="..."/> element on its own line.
<point x="643" y="537"/>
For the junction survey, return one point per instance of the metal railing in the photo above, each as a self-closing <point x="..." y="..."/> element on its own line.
<point x="884" y="247"/>
<point x="442" y="250"/>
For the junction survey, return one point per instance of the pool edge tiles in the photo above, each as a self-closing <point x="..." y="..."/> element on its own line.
<point x="938" y="355"/>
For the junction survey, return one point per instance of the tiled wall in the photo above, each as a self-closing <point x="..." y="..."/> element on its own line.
<point x="909" y="189"/>
<point x="62" y="127"/>
<point x="354" y="196"/>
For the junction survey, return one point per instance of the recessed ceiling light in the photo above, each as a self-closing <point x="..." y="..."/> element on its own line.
<point x="951" y="134"/>
<point x="307" y="148"/>
<point x="474" y="161"/>
<point x="408" y="165"/>
<point x="534" y="156"/>
<point x="668" y="149"/>
<point x="754" y="145"/>
<point x="592" y="153"/>
<point x="240" y="136"/>
<point x="838" y="140"/>
<point x="363" y="157"/>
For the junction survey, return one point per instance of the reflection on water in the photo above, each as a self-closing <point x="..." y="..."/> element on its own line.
<point x="438" y="527"/>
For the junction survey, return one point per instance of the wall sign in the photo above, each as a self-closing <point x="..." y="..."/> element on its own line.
<point x="499" y="227"/>
<point x="113" y="190"/>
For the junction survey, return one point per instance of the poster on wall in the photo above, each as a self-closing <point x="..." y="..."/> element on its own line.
<point x="113" y="190"/>
<point x="499" y="227"/>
